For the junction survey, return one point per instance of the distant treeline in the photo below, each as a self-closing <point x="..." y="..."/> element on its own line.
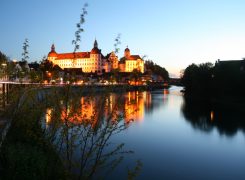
<point x="156" y="69"/>
<point x="224" y="78"/>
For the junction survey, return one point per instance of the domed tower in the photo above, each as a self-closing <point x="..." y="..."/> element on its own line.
<point x="127" y="52"/>
<point x="52" y="55"/>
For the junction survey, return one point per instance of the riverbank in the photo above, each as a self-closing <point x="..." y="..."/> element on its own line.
<point x="112" y="87"/>
<point x="26" y="153"/>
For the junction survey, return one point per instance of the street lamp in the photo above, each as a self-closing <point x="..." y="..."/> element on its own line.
<point x="49" y="76"/>
<point x="4" y="65"/>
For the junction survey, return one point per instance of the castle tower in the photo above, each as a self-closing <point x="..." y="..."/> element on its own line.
<point x="127" y="52"/>
<point x="52" y="55"/>
<point x="52" y="48"/>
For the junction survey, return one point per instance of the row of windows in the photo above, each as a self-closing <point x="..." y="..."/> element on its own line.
<point x="80" y="60"/>
<point x="87" y="60"/>
<point x="93" y="68"/>
<point x="65" y="65"/>
<point x="81" y="63"/>
<point x="131" y="65"/>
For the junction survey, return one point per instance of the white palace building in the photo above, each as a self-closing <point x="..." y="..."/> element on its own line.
<point x="95" y="61"/>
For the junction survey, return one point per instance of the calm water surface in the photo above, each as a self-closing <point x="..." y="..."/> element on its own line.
<point x="176" y="139"/>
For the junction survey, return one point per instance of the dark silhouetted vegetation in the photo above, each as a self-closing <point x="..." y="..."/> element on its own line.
<point x="225" y="78"/>
<point x="153" y="68"/>
<point x="198" y="78"/>
<point x="49" y="70"/>
<point x="229" y="78"/>
<point x="3" y="58"/>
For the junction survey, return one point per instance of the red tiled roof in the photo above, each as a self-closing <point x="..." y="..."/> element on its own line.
<point x="95" y="50"/>
<point x="52" y="54"/>
<point x="133" y="57"/>
<point x="72" y="55"/>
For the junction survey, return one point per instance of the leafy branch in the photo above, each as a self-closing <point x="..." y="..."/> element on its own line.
<point x="25" y="53"/>
<point x="117" y="43"/>
<point x="80" y="29"/>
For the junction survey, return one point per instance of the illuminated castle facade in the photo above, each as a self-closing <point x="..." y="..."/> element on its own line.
<point x="94" y="61"/>
<point x="131" y="62"/>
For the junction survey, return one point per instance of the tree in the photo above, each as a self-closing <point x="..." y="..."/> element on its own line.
<point x="79" y="30"/>
<point x="153" y="68"/>
<point x="24" y="61"/>
<point x="115" y="74"/>
<point x="135" y="75"/>
<point x="25" y="54"/>
<point x="46" y="67"/>
<point x="198" y="78"/>
<point x="3" y="58"/>
<point x="3" y="65"/>
<point x="117" y="43"/>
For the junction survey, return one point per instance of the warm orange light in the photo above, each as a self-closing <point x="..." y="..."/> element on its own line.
<point x="165" y="91"/>
<point x="80" y="82"/>
<point x="134" y="107"/>
<point x="89" y="110"/>
<point x="212" y="115"/>
<point x="48" y="115"/>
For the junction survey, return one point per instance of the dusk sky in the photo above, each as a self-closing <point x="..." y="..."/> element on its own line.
<point x="172" y="33"/>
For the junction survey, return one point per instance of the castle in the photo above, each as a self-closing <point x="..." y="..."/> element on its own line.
<point x="94" y="61"/>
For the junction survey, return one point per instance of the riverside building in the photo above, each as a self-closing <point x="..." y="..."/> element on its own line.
<point x="94" y="61"/>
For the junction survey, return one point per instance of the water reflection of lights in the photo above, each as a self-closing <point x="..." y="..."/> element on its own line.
<point x="165" y="94"/>
<point x="48" y="115"/>
<point x="132" y="105"/>
<point x="165" y="91"/>
<point x="212" y="115"/>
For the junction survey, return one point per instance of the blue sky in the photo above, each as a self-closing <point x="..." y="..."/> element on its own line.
<point x="172" y="33"/>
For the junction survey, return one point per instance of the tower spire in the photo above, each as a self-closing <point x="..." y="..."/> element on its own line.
<point x="53" y="48"/>
<point x="95" y="43"/>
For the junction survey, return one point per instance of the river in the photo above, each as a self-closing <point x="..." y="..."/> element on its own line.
<point x="179" y="139"/>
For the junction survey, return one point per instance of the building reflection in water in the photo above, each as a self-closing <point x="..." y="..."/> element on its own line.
<point x="134" y="106"/>
<point x="48" y="115"/>
<point x="131" y="106"/>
